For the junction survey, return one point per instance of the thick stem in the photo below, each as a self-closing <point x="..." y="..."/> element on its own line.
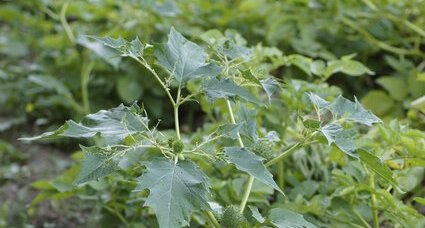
<point x="167" y="91"/>
<point x="373" y="200"/>
<point x="84" y="80"/>
<point x="251" y="178"/>
<point x="65" y="24"/>
<point x="246" y="193"/>
<point x="232" y="119"/>
<point x="285" y="154"/>
<point x="176" y="121"/>
<point x="280" y="174"/>
<point x="213" y="219"/>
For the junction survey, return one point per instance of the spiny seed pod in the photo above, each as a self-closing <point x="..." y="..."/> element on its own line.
<point x="263" y="149"/>
<point x="170" y="142"/>
<point x="178" y="146"/>
<point x="232" y="218"/>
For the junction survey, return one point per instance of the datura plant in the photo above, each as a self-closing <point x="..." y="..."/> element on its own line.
<point x="256" y="160"/>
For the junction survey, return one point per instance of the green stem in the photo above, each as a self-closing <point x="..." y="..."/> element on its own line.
<point x="65" y="24"/>
<point x="116" y="213"/>
<point x="84" y="80"/>
<point x="280" y="173"/>
<point x="167" y="90"/>
<point x="359" y="216"/>
<point x="285" y="154"/>
<point x="246" y="193"/>
<point x="251" y="178"/>
<point x="232" y="119"/>
<point x="373" y="200"/>
<point x="213" y="219"/>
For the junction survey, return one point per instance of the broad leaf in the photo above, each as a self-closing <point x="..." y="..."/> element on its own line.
<point x="175" y="191"/>
<point x="111" y="125"/>
<point x="227" y="89"/>
<point x="284" y="218"/>
<point x="347" y="66"/>
<point x="256" y="214"/>
<point x="184" y="59"/>
<point x="230" y="130"/>
<point x="270" y="86"/>
<point x="133" y="49"/>
<point x="249" y="125"/>
<point x="109" y="55"/>
<point x="377" y="165"/>
<point x="98" y="162"/>
<point x="344" y="108"/>
<point x="344" y="139"/>
<point x="353" y="111"/>
<point x="247" y="161"/>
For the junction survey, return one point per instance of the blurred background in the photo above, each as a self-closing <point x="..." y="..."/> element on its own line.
<point x="50" y="72"/>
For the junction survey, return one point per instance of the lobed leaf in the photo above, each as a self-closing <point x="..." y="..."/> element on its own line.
<point x="227" y="89"/>
<point x="247" y="161"/>
<point x="175" y="191"/>
<point x="184" y="59"/>
<point x="111" y="125"/>
<point x="98" y="162"/>
<point x="284" y="218"/>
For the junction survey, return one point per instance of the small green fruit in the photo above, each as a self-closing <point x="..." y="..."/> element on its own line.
<point x="232" y="218"/>
<point x="178" y="146"/>
<point x="263" y="149"/>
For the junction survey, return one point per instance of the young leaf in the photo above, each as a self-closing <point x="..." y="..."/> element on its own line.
<point x="284" y="218"/>
<point x="353" y="111"/>
<point x="97" y="163"/>
<point x="175" y="191"/>
<point x="229" y="130"/>
<point x="270" y="86"/>
<point x="133" y="49"/>
<point x="347" y="66"/>
<point x="227" y="89"/>
<point x="185" y="59"/>
<point x="111" y="125"/>
<point x="256" y="214"/>
<point x="249" y="125"/>
<point x="247" y="161"/>
<point x="343" y="138"/>
<point x="377" y="165"/>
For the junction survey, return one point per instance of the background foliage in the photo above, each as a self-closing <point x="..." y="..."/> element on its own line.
<point x="51" y="72"/>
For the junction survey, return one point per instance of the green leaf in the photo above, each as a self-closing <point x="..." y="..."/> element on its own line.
<point x="133" y="49"/>
<point x="247" y="161"/>
<point x="396" y="86"/>
<point x="378" y="101"/>
<point x="111" y="56"/>
<point x="229" y="130"/>
<point x="98" y="162"/>
<point x="377" y="165"/>
<point x="256" y="214"/>
<point x="352" y="111"/>
<point x="284" y="218"/>
<point x="129" y="89"/>
<point x="227" y="89"/>
<point x="343" y="138"/>
<point x="249" y="125"/>
<point x="111" y="125"/>
<point x="184" y="59"/>
<point x="301" y="62"/>
<point x="347" y="66"/>
<point x="270" y="86"/>
<point x="175" y="191"/>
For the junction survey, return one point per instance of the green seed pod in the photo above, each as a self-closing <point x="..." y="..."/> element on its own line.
<point x="232" y="218"/>
<point x="178" y="146"/>
<point x="263" y="149"/>
<point x="170" y="142"/>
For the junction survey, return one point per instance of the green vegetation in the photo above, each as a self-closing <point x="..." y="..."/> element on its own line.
<point x="212" y="113"/>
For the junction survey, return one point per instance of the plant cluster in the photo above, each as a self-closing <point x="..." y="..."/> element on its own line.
<point x="187" y="178"/>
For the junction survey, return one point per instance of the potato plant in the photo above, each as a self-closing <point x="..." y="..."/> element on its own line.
<point x="270" y="153"/>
